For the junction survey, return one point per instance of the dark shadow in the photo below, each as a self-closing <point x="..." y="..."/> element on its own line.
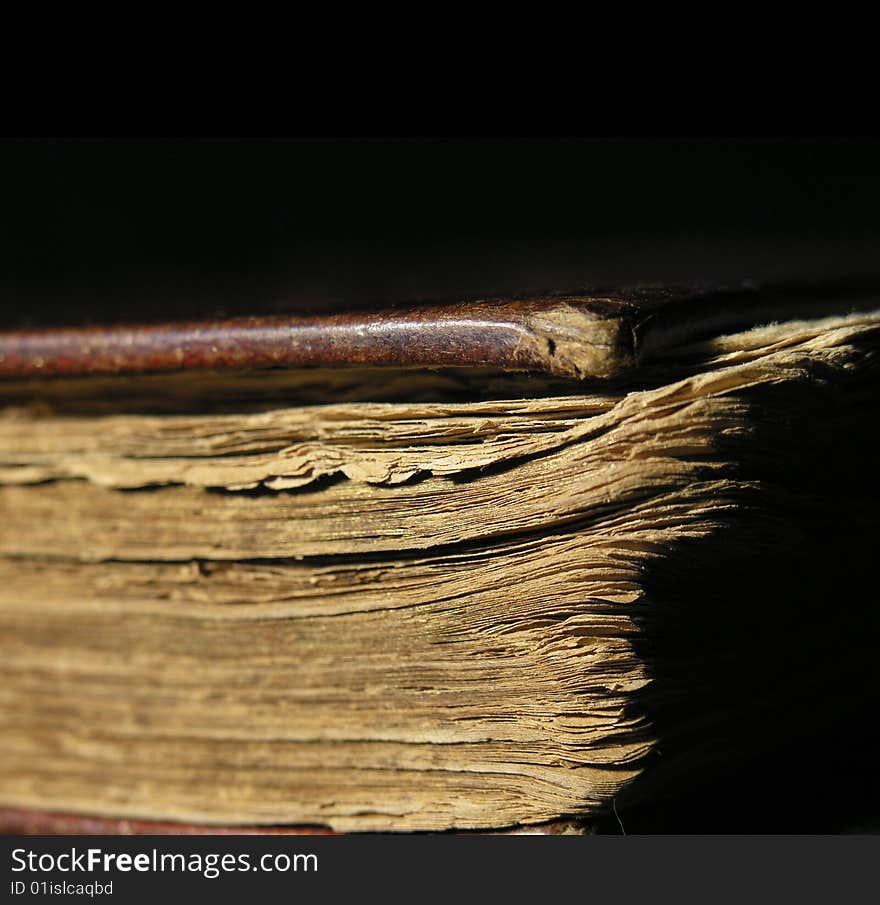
<point x="763" y="641"/>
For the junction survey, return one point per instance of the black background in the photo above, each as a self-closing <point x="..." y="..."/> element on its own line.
<point x="136" y="229"/>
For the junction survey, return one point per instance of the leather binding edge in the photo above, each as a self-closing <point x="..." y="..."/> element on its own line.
<point x="561" y="334"/>
<point x="15" y="822"/>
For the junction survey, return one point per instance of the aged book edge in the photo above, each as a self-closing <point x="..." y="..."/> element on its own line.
<point x="572" y="336"/>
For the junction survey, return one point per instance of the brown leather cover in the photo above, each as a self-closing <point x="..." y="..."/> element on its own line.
<point x="574" y="335"/>
<point x="28" y="823"/>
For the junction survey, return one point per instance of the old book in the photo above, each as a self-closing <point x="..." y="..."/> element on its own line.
<point x="473" y="566"/>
